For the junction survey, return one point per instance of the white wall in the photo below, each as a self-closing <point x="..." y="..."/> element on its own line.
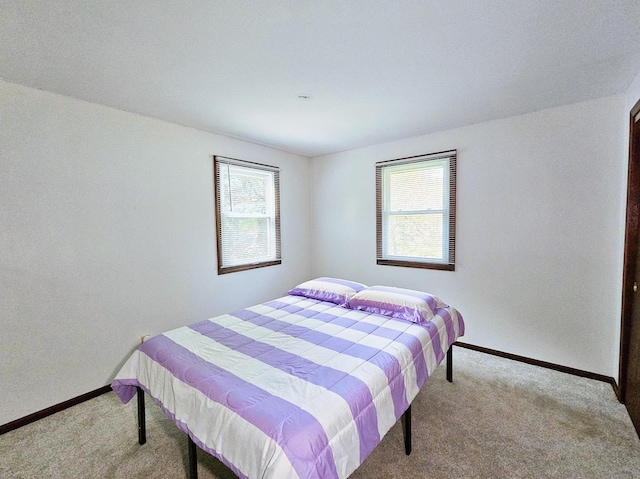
<point x="633" y="93"/>
<point x="107" y="233"/>
<point x="539" y="230"/>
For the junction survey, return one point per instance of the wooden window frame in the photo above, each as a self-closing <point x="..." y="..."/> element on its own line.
<point x="449" y="264"/>
<point x="217" y="161"/>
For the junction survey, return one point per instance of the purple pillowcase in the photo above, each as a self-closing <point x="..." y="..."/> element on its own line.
<point x="333" y="290"/>
<point x="410" y="305"/>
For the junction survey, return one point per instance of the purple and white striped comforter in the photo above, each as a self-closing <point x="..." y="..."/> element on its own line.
<point x="292" y="388"/>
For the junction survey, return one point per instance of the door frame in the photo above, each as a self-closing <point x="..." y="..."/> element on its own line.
<point x="632" y="228"/>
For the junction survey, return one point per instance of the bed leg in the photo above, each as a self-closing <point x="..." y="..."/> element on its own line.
<point x="142" y="426"/>
<point x="450" y="364"/>
<point x="407" y="431"/>
<point x="193" y="459"/>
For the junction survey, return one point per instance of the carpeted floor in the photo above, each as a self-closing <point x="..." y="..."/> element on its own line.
<point x="499" y="419"/>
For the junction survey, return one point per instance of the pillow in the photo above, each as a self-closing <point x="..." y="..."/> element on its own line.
<point x="328" y="289"/>
<point x="407" y="304"/>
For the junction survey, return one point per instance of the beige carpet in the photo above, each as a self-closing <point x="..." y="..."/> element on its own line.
<point x="499" y="419"/>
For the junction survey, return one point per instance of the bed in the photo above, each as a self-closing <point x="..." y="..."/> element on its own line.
<point x="304" y="386"/>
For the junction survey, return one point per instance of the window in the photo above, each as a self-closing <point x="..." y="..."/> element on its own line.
<point x="416" y="211"/>
<point x="247" y="197"/>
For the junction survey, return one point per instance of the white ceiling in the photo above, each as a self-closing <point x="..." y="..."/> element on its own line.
<point x="376" y="70"/>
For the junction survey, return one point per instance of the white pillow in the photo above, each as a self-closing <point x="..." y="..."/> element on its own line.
<point x="407" y="304"/>
<point x="333" y="290"/>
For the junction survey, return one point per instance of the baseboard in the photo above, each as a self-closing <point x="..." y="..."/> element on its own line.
<point x="105" y="389"/>
<point x="542" y="364"/>
<point x="52" y="410"/>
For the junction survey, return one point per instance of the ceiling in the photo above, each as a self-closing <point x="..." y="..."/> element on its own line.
<point x="375" y="70"/>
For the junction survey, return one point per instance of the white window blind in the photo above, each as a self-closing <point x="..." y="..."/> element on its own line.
<point x="415" y="211"/>
<point x="247" y="214"/>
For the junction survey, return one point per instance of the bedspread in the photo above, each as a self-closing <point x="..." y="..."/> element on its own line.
<point x="291" y="388"/>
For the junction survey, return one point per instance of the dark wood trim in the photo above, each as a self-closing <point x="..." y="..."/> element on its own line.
<point x="416" y="264"/>
<point x="216" y="207"/>
<point x="105" y="389"/>
<point x="245" y="267"/>
<point x="542" y="364"/>
<point x="218" y="215"/>
<point x="453" y="188"/>
<point x="251" y="164"/>
<point x="53" y="409"/>
<point x="451" y="155"/>
<point x="632" y="224"/>
<point x="428" y="156"/>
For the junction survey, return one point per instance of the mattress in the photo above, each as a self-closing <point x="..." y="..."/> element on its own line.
<point x="291" y="388"/>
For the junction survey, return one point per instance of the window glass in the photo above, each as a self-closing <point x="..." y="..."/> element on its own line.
<point x="415" y="210"/>
<point x="247" y="213"/>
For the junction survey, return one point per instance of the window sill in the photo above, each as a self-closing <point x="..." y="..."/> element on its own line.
<point x="245" y="267"/>
<point x="417" y="264"/>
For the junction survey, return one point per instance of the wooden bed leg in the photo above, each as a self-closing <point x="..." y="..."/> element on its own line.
<point x="450" y="364"/>
<point x="142" y="426"/>
<point x="407" y="431"/>
<point x="193" y="459"/>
